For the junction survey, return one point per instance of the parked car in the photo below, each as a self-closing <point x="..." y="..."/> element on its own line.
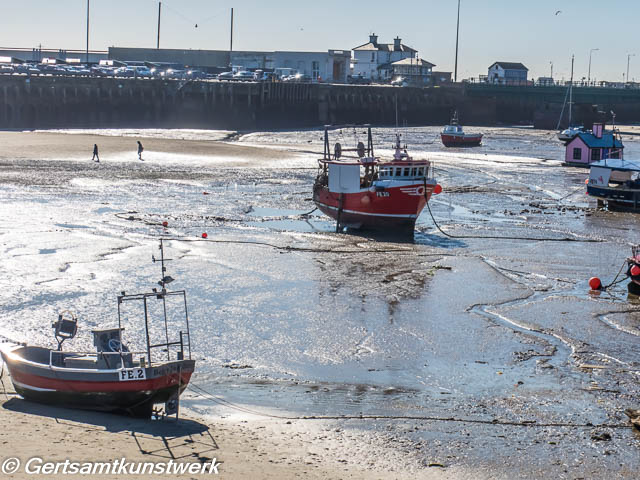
<point x="399" y="82"/>
<point x="358" y="79"/>
<point x="267" y="77"/>
<point x="6" y="69"/>
<point x="225" y="76"/>
<point x="55" y="70"/>
<point x="299" y="78"/>
<point x="244" y="76"/>
<point x="144" y="72"/>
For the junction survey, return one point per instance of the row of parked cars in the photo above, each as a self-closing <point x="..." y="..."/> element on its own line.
<point x="141" y="71"/>
<point x="260" y="76"/>
<point x="137" y="71"/>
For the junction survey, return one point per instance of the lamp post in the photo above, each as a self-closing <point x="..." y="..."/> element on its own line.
<point x="590" y="53"/>
<point x="551" y="63"/>
<point x="87" y="31"/>
<point x="629" y="55"/>
<point x="455" y="75"/>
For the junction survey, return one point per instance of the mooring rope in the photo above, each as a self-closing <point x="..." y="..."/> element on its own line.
<point x="201" y="392"/>
<point x="502" y="237"/>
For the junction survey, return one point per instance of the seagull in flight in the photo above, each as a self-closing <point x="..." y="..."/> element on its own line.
<point x="559" y="11"/>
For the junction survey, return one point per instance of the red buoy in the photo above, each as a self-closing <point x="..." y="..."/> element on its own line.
<point x="205" y="193"/>
<point x="595" y="283"/>
<point x="165" y="224"/>
<point x="204" y="235"/>
<point x="437" y="189"/>
<point x="635" y="271"/>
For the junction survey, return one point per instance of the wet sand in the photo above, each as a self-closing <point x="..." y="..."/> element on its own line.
<point x="483" y="359"/>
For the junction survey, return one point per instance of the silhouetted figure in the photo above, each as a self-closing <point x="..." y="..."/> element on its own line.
<point x="140" y="150"/>
<point x="96" y="157"/>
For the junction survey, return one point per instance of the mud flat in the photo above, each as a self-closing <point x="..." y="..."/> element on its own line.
<point x="479" y="355"/>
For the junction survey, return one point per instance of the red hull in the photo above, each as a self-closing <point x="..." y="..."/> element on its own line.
<point x="396" y="207"/>
<point x="95" y="389"/>
<point x="461" y="140"/>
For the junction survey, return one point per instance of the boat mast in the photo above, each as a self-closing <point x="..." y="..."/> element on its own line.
<point x="571" y="92"/>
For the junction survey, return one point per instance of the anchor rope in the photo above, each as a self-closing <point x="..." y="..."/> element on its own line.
<point x="201" y="392"/>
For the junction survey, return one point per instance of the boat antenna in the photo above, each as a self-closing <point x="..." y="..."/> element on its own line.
<point x="396" y="111"/>
<point x="571" y="92"/>
<point x="164" y="281"/>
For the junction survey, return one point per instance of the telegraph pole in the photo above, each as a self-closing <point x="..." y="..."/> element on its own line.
<point x="231" y="43"/>
<point x="88" y="31"/>
<point x="455" y="75"/>
<point x="159" y="11"/>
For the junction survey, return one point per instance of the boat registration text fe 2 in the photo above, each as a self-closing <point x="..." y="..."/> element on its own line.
<point x="129" y="374"/>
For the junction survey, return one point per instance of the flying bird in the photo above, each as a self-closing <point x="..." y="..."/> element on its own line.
<point x="559" y="11"/>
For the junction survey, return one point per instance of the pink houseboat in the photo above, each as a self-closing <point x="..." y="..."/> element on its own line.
<point x="589" y="147"/>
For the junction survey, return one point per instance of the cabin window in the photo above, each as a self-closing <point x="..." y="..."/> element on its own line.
<point x="413" y="172"/>
<point x="595" y="154"/>
<point x="398" y="172"/>
<point x="577" y="154"/>
<point x="615" y="154"/>
<point x="421" y="171"/>
<point x="406" y="171"/>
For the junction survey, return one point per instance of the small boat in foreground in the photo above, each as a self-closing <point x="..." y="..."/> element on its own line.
<point x="454" y="136"/>
<point x="365" y="192"/>
<point x="112" y="378"/>
<point x="615" y="183"/>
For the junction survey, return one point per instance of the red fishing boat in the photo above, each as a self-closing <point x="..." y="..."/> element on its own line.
<point x="112" y="378"/>
<point x="365" y="192"/>
<point x="454" y="136"/>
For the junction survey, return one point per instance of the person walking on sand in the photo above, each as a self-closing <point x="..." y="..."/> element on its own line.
<point x="96" y="157"/>
<point x="140" y="150"/>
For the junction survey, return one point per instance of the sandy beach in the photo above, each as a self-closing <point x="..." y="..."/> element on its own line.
<point x="252" y="448"/>
<point x="330" y="356"/>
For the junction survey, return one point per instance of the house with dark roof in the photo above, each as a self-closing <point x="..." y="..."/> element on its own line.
<point x="375" y="60"/>
<point x="589" y="147"/>
<point x="415" y="71"/>
<point x="507" y="73"/>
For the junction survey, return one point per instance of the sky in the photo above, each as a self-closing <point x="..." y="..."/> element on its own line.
<point x="530" y="32"/>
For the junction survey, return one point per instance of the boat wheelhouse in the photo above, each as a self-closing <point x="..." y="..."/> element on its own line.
<point x="365" y="192"/>
<point x="112" y="378"/>
<point x="616" y="184"/>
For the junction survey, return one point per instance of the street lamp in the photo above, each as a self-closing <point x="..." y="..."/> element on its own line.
<point x="551" y="63"/>
<point x="87" y="32"/>
<point x="590" y="53"/>
<point x="629" y="55"/>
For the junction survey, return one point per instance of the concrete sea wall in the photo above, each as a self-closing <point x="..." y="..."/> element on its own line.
<point x="67" y="102"/>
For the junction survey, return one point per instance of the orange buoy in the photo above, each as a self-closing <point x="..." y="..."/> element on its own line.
<point x="635" y="271"/>
<point x="204" y="235"/>
<point x="437" y="189"/>
<point x="595" y="283"/>
<point x="165" y="224"/>
<point x="586" y="182"/>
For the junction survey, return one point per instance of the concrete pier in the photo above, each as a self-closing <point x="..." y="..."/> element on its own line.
<point x="67" y="102"/>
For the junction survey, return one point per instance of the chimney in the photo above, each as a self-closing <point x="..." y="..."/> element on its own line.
<point x="597" y="130"/>
<point x="373" y="38"/>
<point x="397" y="42"/>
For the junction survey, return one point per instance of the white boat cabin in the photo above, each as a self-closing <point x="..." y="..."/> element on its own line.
<point x="453" y="129"/>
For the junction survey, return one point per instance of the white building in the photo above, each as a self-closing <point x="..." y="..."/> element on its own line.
<point x="330" y="67"/>
<point x="508" y="73"/>
<point x="374" y="60"/>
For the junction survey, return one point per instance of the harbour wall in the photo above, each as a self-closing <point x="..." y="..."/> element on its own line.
<point x="67" y="102"/>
